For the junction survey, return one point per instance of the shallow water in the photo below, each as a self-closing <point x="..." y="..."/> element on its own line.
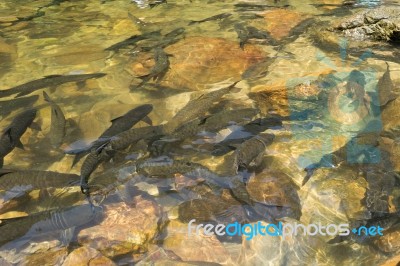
<point x="290" y="69"/>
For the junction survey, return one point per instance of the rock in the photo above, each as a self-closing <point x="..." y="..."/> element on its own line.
<point x="8" y="54"/>
<point x="302" y="250"/>
<point x="93" y="123"/>
<point x="49" y="257"/>
<point x="392" y="261"/>
<point x="298" y="250"/>
<point x="334" y="196"/>
<point x="124" y="229"/>
<point x="47" y="250"/>
<point x="382" y="24"/>
<point x="198" y="248"/>
<point x="87" y="256"/>
<point x="390" y="241"/>
<point x="341" y="108"/>
<point x="74" y="54"/>
<point x="199" y="62"/>
<point x="280" y="22"/>
<point x="275" y="189"/>
<point x="271" y="99"/>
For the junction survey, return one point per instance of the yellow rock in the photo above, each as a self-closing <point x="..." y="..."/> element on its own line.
<point x="279" y="22"/>
<point x="199" y="62"/>
<point x="84" y="256"/>
<point x="194" y="247"/>
<point x="271" y="99"/>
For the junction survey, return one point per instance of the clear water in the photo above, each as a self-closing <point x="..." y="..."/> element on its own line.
<point x="297" y="74"/>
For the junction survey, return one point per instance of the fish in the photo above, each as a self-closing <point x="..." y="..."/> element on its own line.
<point x="211" y="123"/>
<point x="46" y="222"/>
<point x="44" y="199"/>
<point x="159" y="70"/>
<point x="215" y="17"/>
<point x="385" y="88"/>
<point x="108" y="150"/>
<point x="126" y="138"/>
<point x="224" y="118"/>
<point x="165" y="167"/>
<point x="168" y="39"/>
<point x="119" y="124"/>
<point x="57" y="127"/>
<point x="254" y="128"/>
<point x="133" y="40"/>
<point x="197" y="107"/>
<point x="35" y="179"/>
<point x="10" y="137"/>
<point x="242" y="33"/>
<point x="92" y="161"/>
<point x="249" y="32"/>
<point x="6" y="107"/>
<point x="250" y="153"/>
<point x="51" y="81"/>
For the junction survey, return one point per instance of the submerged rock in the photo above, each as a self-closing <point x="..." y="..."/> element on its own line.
<point x="381" y="24"/>
<point x="275" y="189"/>
<point x="87" y="256"/>
<point x="198" y="62"/>
<point x="390" y="241"/>
<point x="200" y="248"/>
<point x="303" y="249"/>
<point x="281" y="22"/>
<point x="271" y="99"/>
<point x="334" y="195"/>
<point x="124" y="229"/>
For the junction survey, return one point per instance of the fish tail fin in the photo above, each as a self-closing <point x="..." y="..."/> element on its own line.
<point x="234" y="89"/>
<point x="147" y="120"/>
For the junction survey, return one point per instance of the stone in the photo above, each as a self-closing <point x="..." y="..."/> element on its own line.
<point x="124" y="229"/>
<point x="87" y="256"/>
<point x="200" y="248"/>
<point x="198" y="62"/>
<point x="275" y="189"/>
<point x="280" y="22"/>
<point x="381" y="24"/>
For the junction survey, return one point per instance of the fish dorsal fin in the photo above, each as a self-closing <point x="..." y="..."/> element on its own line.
<point x="7" y="132"/>
<point x="35" y="126"/>
<point x="147" y="120"/>
<point x="116" y="119"/>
